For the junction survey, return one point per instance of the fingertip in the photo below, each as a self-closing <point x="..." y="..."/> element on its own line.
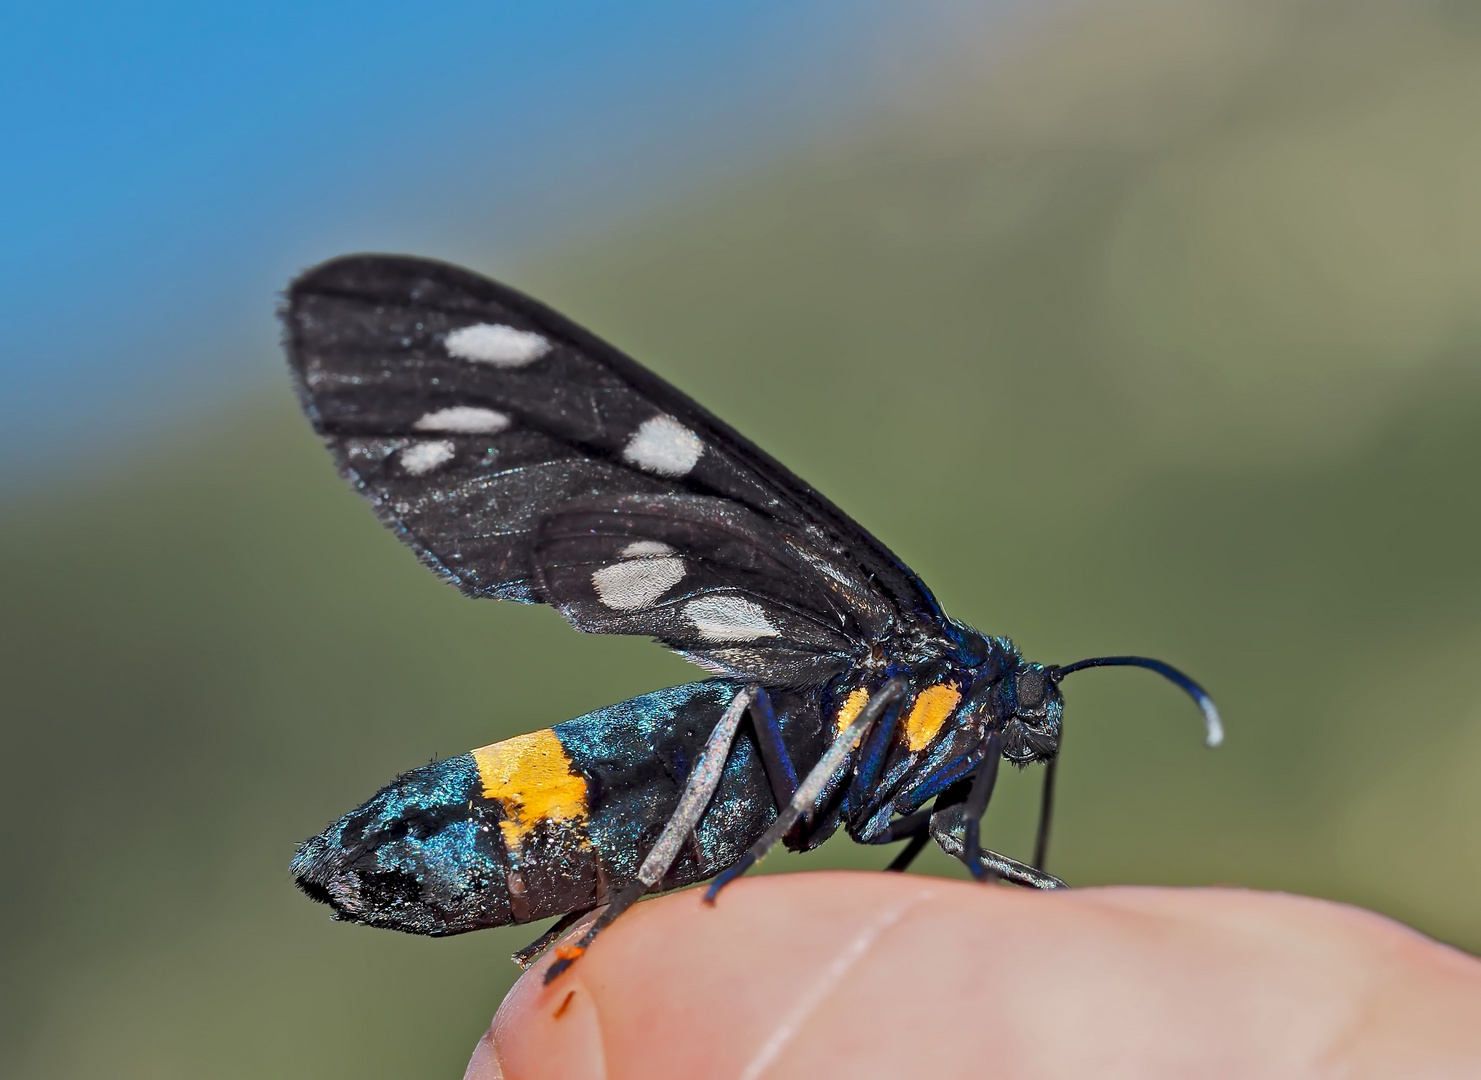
<point x="484" y="1064"/>
<point x="717" y="981"/>
<point x="549" y="1029"/>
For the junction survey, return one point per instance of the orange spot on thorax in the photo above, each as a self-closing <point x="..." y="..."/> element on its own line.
<point x="849" y="711"/>
<point x="928" y="713"/>
<point x="931" y="708"/>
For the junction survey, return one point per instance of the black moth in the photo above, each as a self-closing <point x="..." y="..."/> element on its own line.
<point x="524" y="459"/>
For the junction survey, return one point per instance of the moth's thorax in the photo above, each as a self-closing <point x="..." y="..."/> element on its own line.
<point x="955" y="700"/>
<point x="1011" y="694"/>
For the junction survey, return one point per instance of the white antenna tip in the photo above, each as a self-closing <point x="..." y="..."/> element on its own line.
<point x="1215" y="734"/>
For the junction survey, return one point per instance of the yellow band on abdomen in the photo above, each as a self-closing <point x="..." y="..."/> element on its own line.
<point x="531" y="776"/>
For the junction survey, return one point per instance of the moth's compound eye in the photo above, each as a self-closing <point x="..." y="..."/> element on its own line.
<point x="1029" y="688"/>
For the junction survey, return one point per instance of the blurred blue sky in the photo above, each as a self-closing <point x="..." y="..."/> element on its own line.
<point x="167" y="167"/>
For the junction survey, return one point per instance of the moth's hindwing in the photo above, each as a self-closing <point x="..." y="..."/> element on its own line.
<point x="709" y="578"/>
<point x="549" y="822"/>
<point x="485" y="429"/>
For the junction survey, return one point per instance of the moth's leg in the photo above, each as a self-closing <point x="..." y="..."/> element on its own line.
<point x="872" y="757"/>
<point x="973" y="804"/>
<point x="949" y="829"/>
<point x="813" y="789"/>
<point x="900" y="828"/>
<point x="901" y="862"/>
<point x="531" y="952"/>
<point x="780" y="771"/>
<point x="1046" y="813"/>
<point x="976" y="805"/>
<point x="699" y="789"/>
<point x="916" y="826"/>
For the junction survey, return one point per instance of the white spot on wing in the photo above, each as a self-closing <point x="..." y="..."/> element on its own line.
<point x="464" y="419"/>
<point x="645" y="548"/>
<point x="629" y="586"/>
<point x="490" y="343"/>
<point x="729" y="618"/>
<point x="664" y="446"/>
<point x="421" y="458"/>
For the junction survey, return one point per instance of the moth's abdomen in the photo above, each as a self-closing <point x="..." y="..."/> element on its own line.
<point x="487" y="838"/>
<point x="540" y="824"/>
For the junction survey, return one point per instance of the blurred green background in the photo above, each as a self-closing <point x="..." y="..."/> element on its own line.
<point x="1155" y="327"/>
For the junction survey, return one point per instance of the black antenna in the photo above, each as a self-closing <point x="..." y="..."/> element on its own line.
<point x="1213" y="728"/>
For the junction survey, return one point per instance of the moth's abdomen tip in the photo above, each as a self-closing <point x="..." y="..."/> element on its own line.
<point x="417" y="857"/>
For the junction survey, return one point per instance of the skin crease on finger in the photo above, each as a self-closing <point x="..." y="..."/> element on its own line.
<point x="887" y="975"/>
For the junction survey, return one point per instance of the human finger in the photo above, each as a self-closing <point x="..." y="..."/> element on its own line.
<point x="861" y="975"/>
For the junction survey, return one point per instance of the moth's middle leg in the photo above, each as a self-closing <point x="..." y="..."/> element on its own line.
<point x="813" y="790"/>
<point x="694" y="800"/>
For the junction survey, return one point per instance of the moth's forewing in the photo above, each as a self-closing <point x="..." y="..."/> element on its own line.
<point x="486" y="429"/>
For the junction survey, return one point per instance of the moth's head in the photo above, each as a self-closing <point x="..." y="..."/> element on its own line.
<point x="1028" y="698"/>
